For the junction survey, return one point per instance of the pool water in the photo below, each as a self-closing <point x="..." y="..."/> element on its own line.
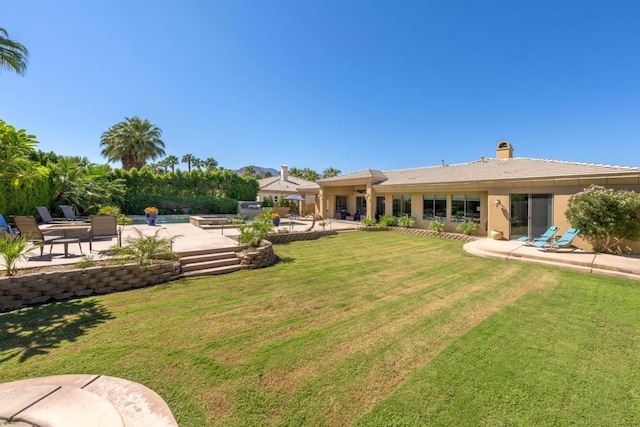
<point x="162" y="219"/>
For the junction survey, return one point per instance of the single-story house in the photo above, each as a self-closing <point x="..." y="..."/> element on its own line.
<point x="518" y="196"/>
<point x="285" y="185"/>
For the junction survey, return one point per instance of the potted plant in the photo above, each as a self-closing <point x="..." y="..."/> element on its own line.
<point x="151" y="215"/>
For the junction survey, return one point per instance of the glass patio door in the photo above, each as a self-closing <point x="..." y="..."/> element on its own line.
<point x="531" y="214"/>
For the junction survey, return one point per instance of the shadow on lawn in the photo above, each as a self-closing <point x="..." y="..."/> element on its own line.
<point x="36" y="330"/>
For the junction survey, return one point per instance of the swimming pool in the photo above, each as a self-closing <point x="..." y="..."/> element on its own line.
<point x="162" y="219"/>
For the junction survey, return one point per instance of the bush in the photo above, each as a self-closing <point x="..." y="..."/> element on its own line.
<point x="467" y="227"/>
<point x="407" y="221"/>
<point x="369" y="222"/>
<point x="437" y="226"/>
<point x="605" y="217"/>
<point x="257" y="230"/>
<point x="387" y="221"/>
<point x="144" y="250"/>
<point x="12" y="249"/>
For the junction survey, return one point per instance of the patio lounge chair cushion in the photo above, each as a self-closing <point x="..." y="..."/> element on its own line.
<point x="28" y="227"/>
<point x="565" y="240"/>
<point x="104" y="226"/>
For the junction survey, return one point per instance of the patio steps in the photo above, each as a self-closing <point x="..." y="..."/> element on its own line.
<point x="210" y="261"/>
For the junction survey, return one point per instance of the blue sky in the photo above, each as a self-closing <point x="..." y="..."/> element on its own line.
<point x="348" y="84"/>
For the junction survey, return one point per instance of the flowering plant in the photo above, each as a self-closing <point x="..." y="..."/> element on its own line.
<point x="151" y="209"/>
<point x="275" y="215"/>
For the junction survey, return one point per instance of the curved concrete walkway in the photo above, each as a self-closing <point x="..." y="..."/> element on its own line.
<point x="627" y="266"/>
<point x="82" y="401"/>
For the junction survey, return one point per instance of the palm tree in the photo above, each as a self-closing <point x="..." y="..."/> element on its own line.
<point x="210" y="163"/>
<point x="329" y="172"/>
<point x="172" y="162"/>
<point x="249" y="171"/>
<point x="197" y="162"/>
<point x="13" y="55"/>
<point x="295" y="172"/>
<point x="132" y="141"/>
<point x="309" y="174"/>
<point x="188" y="159"/>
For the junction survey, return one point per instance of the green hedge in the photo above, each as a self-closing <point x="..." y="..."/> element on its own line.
<point x="23" y="199"/>
<point x="135" y="203"/>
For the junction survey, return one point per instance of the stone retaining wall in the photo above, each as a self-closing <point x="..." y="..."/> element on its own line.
<point x="18" y="291"/>
<point x="277" y="238"/>
<point x="422" y="232"/>
<point x="257" y="257"/>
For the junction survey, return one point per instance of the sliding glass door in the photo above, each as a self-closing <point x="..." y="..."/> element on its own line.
<point x="531" y="214"/>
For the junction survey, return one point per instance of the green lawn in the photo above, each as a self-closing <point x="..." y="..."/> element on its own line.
<point x="357" y="329"/>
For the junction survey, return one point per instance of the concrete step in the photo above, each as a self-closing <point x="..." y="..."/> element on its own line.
<point x="192" y="259"/>
<point x="210" y="251"/>
<point x="213" y="271"/>
<point x="210" y="264"/>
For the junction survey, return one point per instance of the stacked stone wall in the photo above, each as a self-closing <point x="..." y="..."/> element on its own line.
<point x="277" y="238"/>
<point x="18" y="291"/>
<point x="423" y="232"/>
<point x="257" y="257"/>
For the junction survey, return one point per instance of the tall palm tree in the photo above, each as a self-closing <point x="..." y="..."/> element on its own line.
<point x="188" y="159"/>
<point x="210" y="163"/>
<point x="330" y="172"/>
<point x="197" y="162"/>
<point x="172" y="162"/>
<point x="132" y="141"/>
<point x="309" y="174"/>
<point x="13" y="55"/>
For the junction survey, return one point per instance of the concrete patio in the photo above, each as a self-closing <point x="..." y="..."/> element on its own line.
<point x="627" y="266"/>
<point x="185" y="237"/>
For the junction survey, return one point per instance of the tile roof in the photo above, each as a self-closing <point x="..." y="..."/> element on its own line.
<point x="362" y="174"/>
<point x="502" y="170"/>
<point x="291" y="185"/>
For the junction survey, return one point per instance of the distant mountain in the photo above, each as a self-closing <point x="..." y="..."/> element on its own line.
<point x="260" y="170"/>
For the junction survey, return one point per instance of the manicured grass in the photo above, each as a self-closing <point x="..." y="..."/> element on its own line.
<point x="361" y="328"/>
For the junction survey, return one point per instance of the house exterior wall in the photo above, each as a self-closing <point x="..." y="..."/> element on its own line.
<point x="491" y="217"/>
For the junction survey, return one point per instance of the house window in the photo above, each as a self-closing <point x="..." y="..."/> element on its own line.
<point x="401" y="205"/>
<point x="361" y="205"/>
<point x="465" y="207"/>
<point x="434" y="206"/>
<point x="341" y="203"/>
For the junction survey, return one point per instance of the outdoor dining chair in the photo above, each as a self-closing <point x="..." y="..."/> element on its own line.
<point x="104" y="226"/>
<point x="28" y="227"/>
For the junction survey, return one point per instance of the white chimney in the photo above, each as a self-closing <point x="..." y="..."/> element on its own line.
<point x="284" y="173"/>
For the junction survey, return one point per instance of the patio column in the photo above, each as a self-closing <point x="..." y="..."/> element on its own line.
<point x="370" y="198"/>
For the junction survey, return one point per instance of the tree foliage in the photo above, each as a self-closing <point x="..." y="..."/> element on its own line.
<point x="23" y="181"/>
<point x="605" y="217"/>
<point x="13" y="55"/>
<point x="84" y="186"/>
<point x="306" y="173"/>
<point x="132" y="141"/>
<point x="330" y="172"/>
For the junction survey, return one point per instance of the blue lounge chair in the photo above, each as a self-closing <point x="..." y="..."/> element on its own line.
<point x="541" y="240"/>
<point x="564" y="242"/>
<point x="6" y="227"/>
